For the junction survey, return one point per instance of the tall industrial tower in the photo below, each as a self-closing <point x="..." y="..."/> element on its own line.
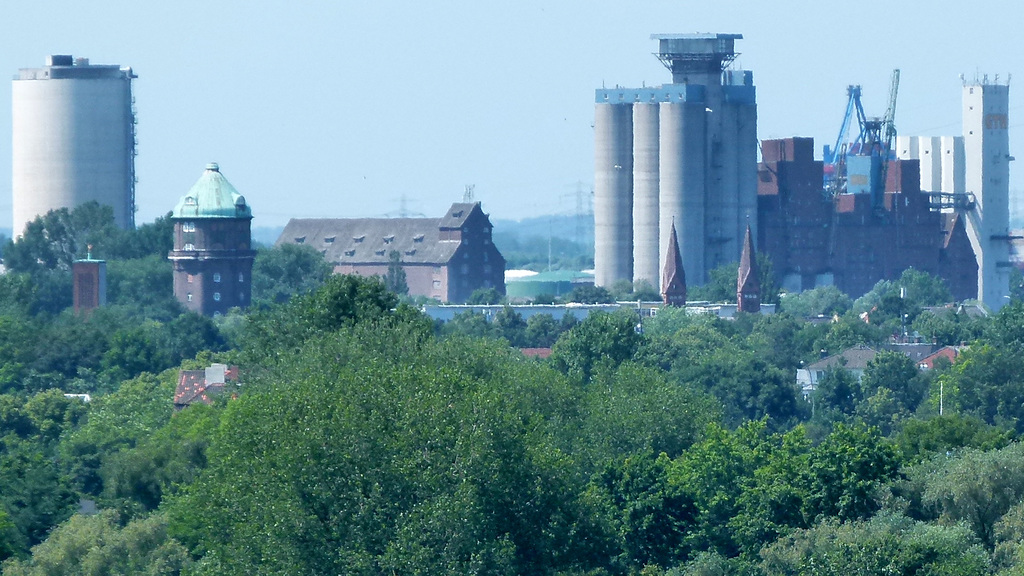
<point x="685" y="151"/>
<point x="987" y="177"/>
<point x="73" y="139"/>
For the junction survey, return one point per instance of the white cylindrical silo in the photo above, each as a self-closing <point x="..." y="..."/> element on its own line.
<point x="646" y="241"/>
<point x="613" y="193"/>
<point x="73" y="139"/>
<point x="681" y="191"/>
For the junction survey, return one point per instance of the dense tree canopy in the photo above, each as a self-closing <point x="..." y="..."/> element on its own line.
<point x="365" y="439"/>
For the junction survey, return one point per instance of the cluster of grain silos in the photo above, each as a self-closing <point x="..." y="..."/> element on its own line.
<point x="73" y="139"/>
<point x="684" y="152"/>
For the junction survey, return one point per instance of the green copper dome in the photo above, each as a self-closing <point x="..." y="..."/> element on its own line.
<point x="212" y="196"/>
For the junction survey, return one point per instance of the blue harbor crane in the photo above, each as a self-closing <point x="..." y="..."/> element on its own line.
<point x="861" y="166"/>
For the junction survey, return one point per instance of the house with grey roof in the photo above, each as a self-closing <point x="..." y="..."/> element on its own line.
<point x="855" y="360"/>
<point x="444" y="258"/>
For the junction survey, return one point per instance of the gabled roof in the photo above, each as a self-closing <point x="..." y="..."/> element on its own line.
<point x="193" y="385"/>
<point x="855" y="358"/>
<point x="212" y="196"/>
<point x="371" y="240"/>
<point x="458" y="214"/>
<point x="948" y="352"/>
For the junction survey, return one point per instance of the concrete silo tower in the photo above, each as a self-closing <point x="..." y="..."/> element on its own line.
<point x="73" y="139"/>
<point x="684" y="152"/>
<point x="212" y="253"/>
<point x="987" y="176"/>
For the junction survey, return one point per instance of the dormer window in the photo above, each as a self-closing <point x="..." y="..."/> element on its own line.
<point x="190" y="201"/>
<point x="350" y="252"/>
<point x="389" y="238"/>
<point x="379" y="252"/>
<point x="300" y="239"/>
<point x="457" y="214"/>
<point x="417" y="238"/>
<point x="359" y="238"/>
<point x="329" y="240"/>
<point x="410" y="252"/>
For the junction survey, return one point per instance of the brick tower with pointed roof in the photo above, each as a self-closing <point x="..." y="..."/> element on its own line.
<point x="212" y="252"/>
<point x="748" y="286"/>
<point x="673" y="279"/>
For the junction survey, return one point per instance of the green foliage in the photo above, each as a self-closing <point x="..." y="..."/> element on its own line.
<point x="885" y="544"/>
<point x="895" y="303"/>
<point x="976" y="488"/>
<point x="470" y="324"/>
<point x="138" y="409"/>
<point x="286" y="270"/>
<point x="345" y="300"/>
<point x="892" y="388"/>
<point x="720" y="286"/>
<point x="948" y="327"/>
<point x="650" y="515"/>
<point x="601" y="341"/>
<point x="98" y="546"/>
<point x="820" y="301"/>
<point x="984" y="382"/>
<point x="625" y="291"/>
<point x="920" y="439"/>
<point x="846" y="470"/>
<point x="511" y="326"/>
<point x="394" y="279"/>
<point x="587" y="294"/>
<point x="700" y="352"/>
<point x="485" y="296"/>
<point x="144" y="287"/>
<point x="137" y="479"/>
<point x="542" y="331"/>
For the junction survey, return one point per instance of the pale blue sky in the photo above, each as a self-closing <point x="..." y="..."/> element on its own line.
<point x="341" y="108"/>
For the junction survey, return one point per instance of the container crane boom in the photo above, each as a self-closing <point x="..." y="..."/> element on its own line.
<point x="889" y="124"/>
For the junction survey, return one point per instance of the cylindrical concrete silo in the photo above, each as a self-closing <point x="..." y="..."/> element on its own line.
<point x="646" y="241"/>
<point x="746" y="170"/>
<point x="613" y="193"/>
<point x="73" y="139"/>
<point x="682" y="165"/>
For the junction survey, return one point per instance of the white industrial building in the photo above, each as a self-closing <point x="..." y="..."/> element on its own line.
<point x="971" y="174"/>
<point x="684" y="152"/>
<point x="73" y="139"/>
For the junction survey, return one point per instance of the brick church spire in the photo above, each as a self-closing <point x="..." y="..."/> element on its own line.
<point x="673" y="280"/>
<point x="748" y="286"/>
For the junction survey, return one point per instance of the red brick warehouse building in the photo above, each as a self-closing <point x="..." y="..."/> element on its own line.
<point x="845" y="240"/>
<point x="444" y="258"/>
